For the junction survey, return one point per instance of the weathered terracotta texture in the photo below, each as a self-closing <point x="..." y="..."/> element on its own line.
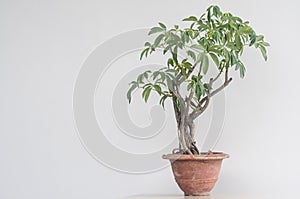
<point x="196" y="175"/>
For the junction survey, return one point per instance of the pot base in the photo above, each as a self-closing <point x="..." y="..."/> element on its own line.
<point x="201" y="194"/>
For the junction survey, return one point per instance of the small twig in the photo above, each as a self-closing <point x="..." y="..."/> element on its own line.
<point x="226" y="75"/>
<point x="219" y="74"/>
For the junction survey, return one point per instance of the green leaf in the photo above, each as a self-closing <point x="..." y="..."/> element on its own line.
<point x="158" y="89"/>
<point x="172" y="71"/>
<point x="174" y="56"/>
<point x="263" y="52"/>
<point x="207" y="86"/>
<point x="240" y="66"/>
<point x="183" y="71"/>
<point x="198" y="47"/>
<point x="216" y="11"/>
<point x="252" y="38"/>
<point x="195" y="34"/>
<point x="162" y="76"/>
<point x="198" y="59"/>
<point x="162" y="25"/>
<point x="259" y="37"/>
<point x="140" y="79"/>
<point x="198" y="92"/>
<point x="238" y="41"/>
<point x="204" y="62"/>
<point x="215" y="49"/>
<point x="148" y="44"/>
<point x="170" y="62"/>
<point x="265" y="43"/>
<point x="186" y="37"/>
<point x="146" y="74"/>
<point x="233" y="59"/>
<point x="143" y="53"/>
<point x="242" y="70"/>
<point x="167" y="49"/>
<point x="245" y="30"/>
<point x="232" y="46"/>
<point x="155" y="74"/>
<point x="214" y="58"/>
<point x="146" y="93"/>
<point x="169" y="83"/>
<point x="237" y="19"/>
<point x="209" y="16"/>
<point x="130" y="90"/>
<point x="162" y="100"/>
<point x="158" y="39"/>
<point x="188" y="65"/>
<point x="155" y="30"/>
<point x="191" y="18"/>
<point x="191" y="54"/>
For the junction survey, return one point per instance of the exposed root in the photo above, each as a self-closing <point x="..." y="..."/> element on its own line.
<point x="194" y="149"/>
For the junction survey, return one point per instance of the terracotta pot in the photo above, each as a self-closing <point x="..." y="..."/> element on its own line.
<point x="196" y="175"/>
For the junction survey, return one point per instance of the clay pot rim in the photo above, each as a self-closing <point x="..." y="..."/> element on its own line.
<point x="202" y="156"/>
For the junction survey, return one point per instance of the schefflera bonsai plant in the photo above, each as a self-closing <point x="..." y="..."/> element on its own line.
<point x="216" y="36"/>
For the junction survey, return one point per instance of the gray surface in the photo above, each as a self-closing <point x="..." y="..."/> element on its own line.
<point x="212" y="196"/>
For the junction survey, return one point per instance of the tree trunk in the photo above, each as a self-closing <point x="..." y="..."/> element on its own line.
<point x="186" y="133"/>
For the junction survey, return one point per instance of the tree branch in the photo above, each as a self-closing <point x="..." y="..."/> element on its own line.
<point x="180" y="98"/>
<point x="176" y="110"/>
<point x="188" y="102"/>
<point x="206" y="99"/>
<point x="221" y="87"/>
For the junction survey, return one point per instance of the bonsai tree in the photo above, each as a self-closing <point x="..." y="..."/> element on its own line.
<point x="216" y="36"/>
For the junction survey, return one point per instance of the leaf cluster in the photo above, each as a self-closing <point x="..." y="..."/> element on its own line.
<point x="159" y="81"/>
<point x="214" y="37"/>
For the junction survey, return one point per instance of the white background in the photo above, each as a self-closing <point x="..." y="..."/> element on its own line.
<point x="42" y="47"/>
